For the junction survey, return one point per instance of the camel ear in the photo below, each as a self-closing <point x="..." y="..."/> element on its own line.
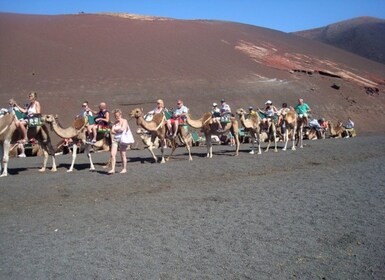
<point x="56" y="116"/>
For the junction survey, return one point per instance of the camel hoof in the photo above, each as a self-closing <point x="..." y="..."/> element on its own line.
<point x="53" y="170"/>
<point x="251" y="153"/>
<point x="4" y="175"/>
<point x="42" y="169"/>
<point x="92" y="169"/>
<point x="69" y="170"/>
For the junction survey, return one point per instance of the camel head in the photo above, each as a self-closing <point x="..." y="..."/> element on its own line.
<point x="240" y="112"/>
<point x="49" y="118"/>
<point x="136" y="113"/>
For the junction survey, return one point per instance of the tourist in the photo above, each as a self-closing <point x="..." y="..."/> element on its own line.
<point x="102" y="120"/>
<point x="302" y="110"/>
<point x="177" y="118"/>
<point x="216" y="116"/>
<point x="118" y="128"/>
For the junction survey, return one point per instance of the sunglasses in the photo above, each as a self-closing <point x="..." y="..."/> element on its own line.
<point x="178" y="103"/>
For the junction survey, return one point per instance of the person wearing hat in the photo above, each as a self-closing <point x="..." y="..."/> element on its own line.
<point x="225" y="113"/>
<point x="216" y="116"/>
<point x="251" y="113"/>
<point x="269" y="113"/>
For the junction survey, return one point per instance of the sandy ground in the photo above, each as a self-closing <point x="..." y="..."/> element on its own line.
<point x="314" y="213"/>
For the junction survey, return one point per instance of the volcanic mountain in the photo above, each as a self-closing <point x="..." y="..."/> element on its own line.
<point x="130" y="61"/>
<point x="364" y="36"/>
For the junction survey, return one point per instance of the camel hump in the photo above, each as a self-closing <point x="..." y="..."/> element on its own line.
<point x="79" y="123"/>
<point x="206" y="116"/>
<point x="158" y="118"/>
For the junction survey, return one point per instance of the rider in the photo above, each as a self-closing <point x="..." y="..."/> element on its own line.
<point x="178" y="117"/>
<point x="216" y="116"/>
<point x="157" y="110"/>
<point x="102" y="118"/>
<point x="251" y="113"/>
<point x="270" y="112"/>
<point x="302" y="110"/>
<point x="225" y="112"/>
<point x="32" y="108"/>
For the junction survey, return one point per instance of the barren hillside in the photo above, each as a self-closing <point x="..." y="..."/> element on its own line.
<point x="130" y="61"/>
<point x="364" y="36"/>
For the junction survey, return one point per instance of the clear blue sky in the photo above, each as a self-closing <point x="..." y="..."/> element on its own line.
<point x="283" y="15"/>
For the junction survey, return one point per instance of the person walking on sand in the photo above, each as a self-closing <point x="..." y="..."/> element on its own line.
<point x="118" y="127"/>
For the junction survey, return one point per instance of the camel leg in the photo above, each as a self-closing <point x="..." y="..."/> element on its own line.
<point x="209" y="146"/>
<point x="53" y="169"/>
<point x="151" y="150"/>
<point x="2" y="160"/>
<point x="173" y="145"/>
<point x="301" y="137"/>
<point x="45" y="159"/>
<point x="87" y="150"/>
<point x="74" y="152"/>
<point x="258" y="138"/>
<point x="275" y="140"/>
<point x="162" y="151"/>
<point x="236" y="143"/>
<point x="286" y="139"/>
<point x="187" y="139"/>
<point x="253" y="139"/>
<point x="4" y="156"/>
<point x="293" y="138"/>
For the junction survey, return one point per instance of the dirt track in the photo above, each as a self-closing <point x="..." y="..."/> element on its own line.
<point x="315" y="213"/>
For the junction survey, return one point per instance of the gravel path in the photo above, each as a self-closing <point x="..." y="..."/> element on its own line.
<point x="314" y="213"/>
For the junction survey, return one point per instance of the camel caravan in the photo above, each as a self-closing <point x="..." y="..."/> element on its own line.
<point x="167" y="129"/>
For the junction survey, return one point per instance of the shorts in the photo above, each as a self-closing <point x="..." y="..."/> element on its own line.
<point x="180" y="120"/>
<point x="118" y="144"/>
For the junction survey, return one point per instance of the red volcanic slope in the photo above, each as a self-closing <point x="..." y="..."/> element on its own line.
<point x="131" y="61"/>
<point x="364" y="36"/>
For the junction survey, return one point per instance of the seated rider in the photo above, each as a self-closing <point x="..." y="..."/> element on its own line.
<point x="302" y="110"/>
<point x="350" y="124"/>
<point x="225" y="113"/>
<point x="157" y="110"/>
<point x="177" y="118"/>
<point x="270" y="112"/>
<point x="86" y="112"/>
<point x="102" y="119"/>
<point x="350" y="128"/>
<point x="251" y="113"/>
<point x="216" y="116"/>
<point x="29" y="111"/>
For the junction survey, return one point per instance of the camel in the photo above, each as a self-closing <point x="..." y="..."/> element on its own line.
<point x="7" y="129"/>
<point x="76" y="132"/>
<point x="41" y="135"/>
<point x="291" y="122"/>
<point x="253" y="126"/>
<point x="157" y="129"/>
<point x="337" y="131"/>
<point x="209" y="128"/>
